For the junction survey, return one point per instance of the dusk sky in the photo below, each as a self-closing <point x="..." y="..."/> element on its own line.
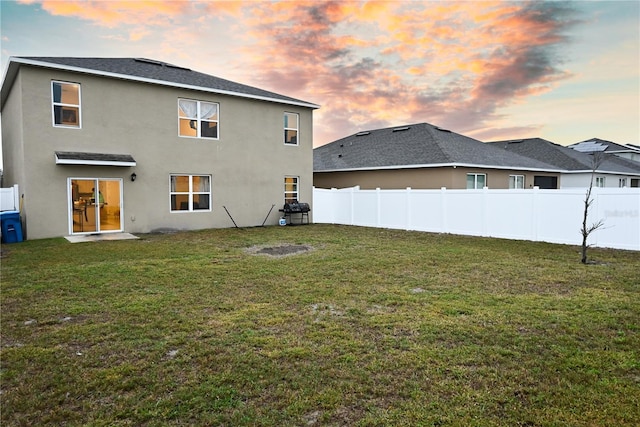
<point x="561" y="71"/>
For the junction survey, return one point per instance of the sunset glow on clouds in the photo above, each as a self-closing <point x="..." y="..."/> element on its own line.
<point x="490" y="70"/>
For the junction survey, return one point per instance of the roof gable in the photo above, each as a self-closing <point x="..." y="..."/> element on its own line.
<point x="148" y="71"/>
<point x="416" y="145"/>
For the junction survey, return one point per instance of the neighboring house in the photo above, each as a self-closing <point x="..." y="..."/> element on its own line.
<point x="595" y="145"/>
<point x="423" y="156"/>
<point x="101" y="145"/>
<point x="613" y="171"/>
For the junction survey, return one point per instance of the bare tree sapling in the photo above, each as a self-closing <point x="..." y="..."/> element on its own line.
<point x="596" y="161"/>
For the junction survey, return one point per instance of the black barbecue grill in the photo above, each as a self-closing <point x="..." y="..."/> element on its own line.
<point x="296" y="208"/>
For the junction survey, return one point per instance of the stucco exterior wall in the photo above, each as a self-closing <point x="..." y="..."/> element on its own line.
<point x="423" y="178"/>
<point x="247" y="163"/>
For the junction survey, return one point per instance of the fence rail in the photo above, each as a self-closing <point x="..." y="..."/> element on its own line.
<point x="553" y="216"/>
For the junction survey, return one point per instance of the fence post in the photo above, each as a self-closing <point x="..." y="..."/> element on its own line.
<point x="443" y="209"/>
<point x="485" y="209"/>
<point x="407" y="219"/>
<point x="534" y="213"/>
<point x="378" y="206"/>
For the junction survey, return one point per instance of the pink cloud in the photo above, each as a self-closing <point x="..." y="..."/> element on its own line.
<point x="113" y="13"/>
<point x="456" y="63"/>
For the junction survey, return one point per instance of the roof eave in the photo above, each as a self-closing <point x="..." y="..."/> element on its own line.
<point x="441" y="165"/>
<point x="146" y="80"/>
<point x="618" y="173"/>
<point x="7" y="81"/>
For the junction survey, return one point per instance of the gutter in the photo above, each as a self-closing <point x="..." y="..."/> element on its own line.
<point x="602" y="172"/>
<point x="441" y="165"/>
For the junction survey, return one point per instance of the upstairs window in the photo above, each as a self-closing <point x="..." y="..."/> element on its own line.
<point x="66" y="104"/>
<point x="190" y="193"/>
<point x="198" y="119"/>
<point x="291" y="128"/>
<point x="290" y="189"/>
<point x="476" y="181"/>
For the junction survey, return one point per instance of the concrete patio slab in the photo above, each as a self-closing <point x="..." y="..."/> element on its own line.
<point x="100" y="237"/>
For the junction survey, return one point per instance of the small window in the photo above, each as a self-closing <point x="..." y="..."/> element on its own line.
<point x="198" y="119"/>
<point x="190" y="193"/>
<point x="622" y="182"/>
<point x="66" y="104"/>
<point x="476" y="180"/>
<point x="291" y="192"/>
<point x="600" y="181"/>
<point x="516" y="181"/>
<point x="291" y="128"/>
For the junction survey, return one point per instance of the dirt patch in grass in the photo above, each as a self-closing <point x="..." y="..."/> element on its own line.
<point x="280" y="250"/>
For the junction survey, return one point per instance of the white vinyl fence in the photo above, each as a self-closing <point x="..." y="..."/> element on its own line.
<point x="9" y="199"/>
<point x="553" y="216"/>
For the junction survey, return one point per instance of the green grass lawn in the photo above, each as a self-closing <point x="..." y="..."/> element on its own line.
<point x="368" y="327"/>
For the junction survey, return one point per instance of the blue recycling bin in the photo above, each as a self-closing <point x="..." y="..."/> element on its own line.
<point x="11" y="227"/>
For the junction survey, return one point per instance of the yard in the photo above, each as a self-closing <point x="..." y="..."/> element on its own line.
<point x="318" y="325"/>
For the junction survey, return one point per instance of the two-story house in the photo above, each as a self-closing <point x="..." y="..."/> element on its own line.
<point x="103" y="145"/>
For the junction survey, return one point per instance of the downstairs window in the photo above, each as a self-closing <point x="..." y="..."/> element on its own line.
<point x="190" y="193"/>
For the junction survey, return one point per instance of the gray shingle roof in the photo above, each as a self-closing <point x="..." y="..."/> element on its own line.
<point x="565" y="157"/>
<point x="157" y="72"/>
<point x="416" y="145"/>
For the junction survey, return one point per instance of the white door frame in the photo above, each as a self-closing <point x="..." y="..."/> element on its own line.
<point x="70" y="212"/>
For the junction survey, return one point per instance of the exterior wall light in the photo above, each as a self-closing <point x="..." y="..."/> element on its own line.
<point x="133" y="176"/>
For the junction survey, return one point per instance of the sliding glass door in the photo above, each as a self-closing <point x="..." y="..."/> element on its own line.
<point x="95" y="205"/>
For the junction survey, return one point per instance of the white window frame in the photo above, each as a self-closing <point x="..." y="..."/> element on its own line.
<point x="475" y="180"/>
<point x="622" y="182"/>
<point x="287" y="128"/>
<point x="198" y="120"/>
<point x="55" y="104"/>
<point x="295" y="192"/>
<point x="190" y="193"/>
<point x="600" y="181"/>
<point x="514" y="180"/>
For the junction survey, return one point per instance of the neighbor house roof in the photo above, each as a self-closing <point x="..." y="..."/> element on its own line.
<point x="566" y="158"/>
<point x="416" y="146"/>
<point x="596" y="144"/>
<point x="147" y="71"/>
